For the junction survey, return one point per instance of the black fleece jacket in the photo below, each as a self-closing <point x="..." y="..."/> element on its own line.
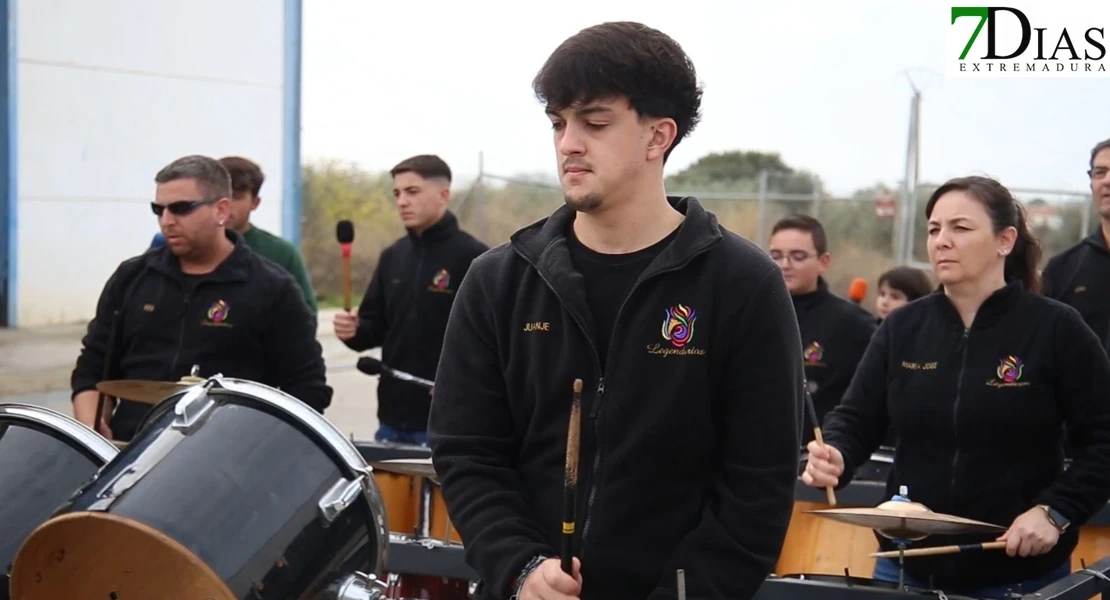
<point x="978" y="413"/>
<point x="1080" y="277"/>
<point x="405" y="311"/>
<point x="835" y="334"/>
<point x="246" y="319"/>
<point x="689" y="446"/>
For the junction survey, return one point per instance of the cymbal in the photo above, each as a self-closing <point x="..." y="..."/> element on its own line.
<point x="907" y="520"/>
<point x="147" y="392"/>
<point x="417" y="467"/>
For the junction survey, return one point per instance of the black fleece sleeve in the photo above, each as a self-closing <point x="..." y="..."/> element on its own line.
<point x="470" y="431"/>
<point x="295" y="356"/>
<point x="1082" y="385"/>
<point x="740" y="536"/>
<point x="1052" y="277"/>
<point x="859" y="424"/>
<point x="94" y="346"/>
<point x="372" y="323"/>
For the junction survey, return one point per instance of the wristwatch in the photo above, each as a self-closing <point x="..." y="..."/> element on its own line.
<point x="1058" y="520"/>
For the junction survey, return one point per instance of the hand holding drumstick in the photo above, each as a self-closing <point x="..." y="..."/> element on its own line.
<point x="824" y="468"/>
<point x="830" y="461"/>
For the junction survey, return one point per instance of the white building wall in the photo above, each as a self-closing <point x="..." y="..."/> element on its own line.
<point x="109" y="91"/>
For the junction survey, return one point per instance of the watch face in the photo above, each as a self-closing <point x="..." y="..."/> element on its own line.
<point x="1058" y="519"/>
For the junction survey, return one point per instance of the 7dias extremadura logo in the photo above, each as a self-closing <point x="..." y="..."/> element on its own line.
<point x="1044" y="39"/>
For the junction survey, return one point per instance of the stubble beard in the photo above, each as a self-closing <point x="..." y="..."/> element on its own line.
<point x="588" y="203"/>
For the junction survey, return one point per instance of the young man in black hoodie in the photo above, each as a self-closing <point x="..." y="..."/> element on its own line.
<point x="1080" y="275"/>
<point x="682" y="332"/>
<point x="835" y="331"/>
<point x="409" y="298"/>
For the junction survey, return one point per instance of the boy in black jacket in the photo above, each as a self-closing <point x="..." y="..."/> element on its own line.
<point x="683" y="333"/>
<point x="835" y="331"/>
<point x="410" y="294"/>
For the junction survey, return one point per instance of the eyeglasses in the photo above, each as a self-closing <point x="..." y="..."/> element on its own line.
<point x="179" y="208"/>
<point x="795" y="256"/>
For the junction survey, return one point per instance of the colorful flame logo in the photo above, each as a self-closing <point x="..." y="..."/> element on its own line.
<point x="217" y="313"/>
<point x="1010" y="369"/>
<point x="678" y="325"/>
<point x="441" y="279"/>
<point x="813" y="352"/>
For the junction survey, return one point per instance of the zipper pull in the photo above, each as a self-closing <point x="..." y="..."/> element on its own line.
<point x="963" y="341"/>
<point x="600" y="386"/>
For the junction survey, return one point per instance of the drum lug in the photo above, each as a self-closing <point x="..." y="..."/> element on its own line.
<point x="339" y="497"/>
<point x="359" y="586"/>
<point x="191" y="407"/>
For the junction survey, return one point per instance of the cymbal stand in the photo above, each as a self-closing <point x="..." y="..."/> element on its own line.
<point x="901" y="563"/>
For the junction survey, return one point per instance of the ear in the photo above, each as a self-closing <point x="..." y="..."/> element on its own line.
<point x="223" y="210"/>
<point x="663" y="133"/>
<point x="825" y="260"/>
<point x="255" y="202"/>
<point x="1007" y="239"/>
<point x="444" y="195"/>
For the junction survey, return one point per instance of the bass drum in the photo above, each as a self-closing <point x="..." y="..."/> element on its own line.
<point x="230" y="490"/>
<point x="45" y="457"/>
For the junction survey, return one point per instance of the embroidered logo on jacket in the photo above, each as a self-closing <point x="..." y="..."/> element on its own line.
<point x="813" y="354"/>
<point x="1009" y="372"/>
<point x="440" y="281"/>
<point x="678" y="329"/>
<point x="217" y="314"/>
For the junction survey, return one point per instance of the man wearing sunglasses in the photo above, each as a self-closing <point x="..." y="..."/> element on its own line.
<point x="203" y="300"/>
<point x="835" y="332"/>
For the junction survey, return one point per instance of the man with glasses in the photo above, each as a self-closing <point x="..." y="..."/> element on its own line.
<point x="1080" y="275"/>
<point x="835" y="332"/>
<point x="204" y="300"/>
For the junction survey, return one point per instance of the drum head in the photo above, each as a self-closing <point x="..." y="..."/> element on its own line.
<point x="92" y="555"/>
<point x="45" y="457"/>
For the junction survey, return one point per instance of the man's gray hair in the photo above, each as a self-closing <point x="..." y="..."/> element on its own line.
<point x="211" y="177"/>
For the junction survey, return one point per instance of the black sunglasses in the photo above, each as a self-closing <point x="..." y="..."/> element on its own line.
<point x="179" y="208"/>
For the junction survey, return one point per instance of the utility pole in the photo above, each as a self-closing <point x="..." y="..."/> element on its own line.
<point x="904" y="228"/>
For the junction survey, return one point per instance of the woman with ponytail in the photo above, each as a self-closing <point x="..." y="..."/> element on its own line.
<point x="977" y="380"/>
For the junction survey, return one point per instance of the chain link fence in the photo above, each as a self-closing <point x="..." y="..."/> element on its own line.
<point x="861" y="228"/>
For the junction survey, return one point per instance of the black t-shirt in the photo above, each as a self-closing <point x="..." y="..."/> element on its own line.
<point x="609" y="280"/>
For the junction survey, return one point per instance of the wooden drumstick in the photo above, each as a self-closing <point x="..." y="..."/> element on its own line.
<point x="570" y="481"/>
<point x="955" y="549"/>
<point x="812" y="410"/>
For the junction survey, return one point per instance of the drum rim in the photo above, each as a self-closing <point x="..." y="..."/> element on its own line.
<point x="90" y="440"/>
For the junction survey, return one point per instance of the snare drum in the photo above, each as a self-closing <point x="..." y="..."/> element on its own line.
<point x="229" y="490"/>
<point x="413" y="505"/>
<point x="816" y="546"/>
<point x="45" y="456"/>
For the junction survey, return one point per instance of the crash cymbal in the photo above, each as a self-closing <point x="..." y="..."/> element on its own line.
<point x="147" y="392"/>
<point x="417" y="467"/>
<point x="906" y="520"/>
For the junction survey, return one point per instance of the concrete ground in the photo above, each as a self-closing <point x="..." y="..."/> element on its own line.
<point x="35" y="366"/>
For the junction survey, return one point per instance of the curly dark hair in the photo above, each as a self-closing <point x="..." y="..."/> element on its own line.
<point x="626" y="59"/>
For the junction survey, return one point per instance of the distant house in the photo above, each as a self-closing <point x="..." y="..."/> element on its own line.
<point x="1042" y="215"/>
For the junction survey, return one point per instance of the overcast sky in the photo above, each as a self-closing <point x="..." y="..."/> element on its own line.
<point x="822" y="83"/>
